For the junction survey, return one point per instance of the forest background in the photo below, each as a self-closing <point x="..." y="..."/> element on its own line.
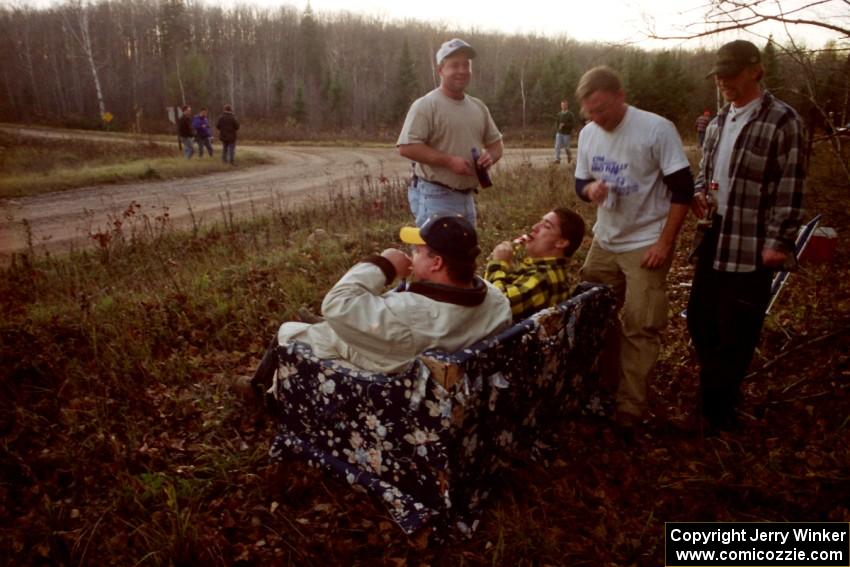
<point x="122" y="440"/>
<point x="293" y="74"/>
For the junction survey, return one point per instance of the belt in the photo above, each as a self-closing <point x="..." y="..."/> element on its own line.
<point x="416" y="180"/>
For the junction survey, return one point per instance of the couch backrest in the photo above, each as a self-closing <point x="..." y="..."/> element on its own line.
<point x="428" y="441"/>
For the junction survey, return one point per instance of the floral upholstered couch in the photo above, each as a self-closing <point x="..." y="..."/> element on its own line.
<point x="428" y="442"/>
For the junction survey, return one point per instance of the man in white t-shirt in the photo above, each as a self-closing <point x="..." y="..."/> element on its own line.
<point x="439" y="133"/>
<point x="632" y="166"/>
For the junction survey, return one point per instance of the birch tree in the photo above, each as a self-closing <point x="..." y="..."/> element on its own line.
<point x="77" y="26"/>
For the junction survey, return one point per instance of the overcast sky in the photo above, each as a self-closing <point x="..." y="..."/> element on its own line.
<point x="607" y="21"/>
<point x="615" y="21"/>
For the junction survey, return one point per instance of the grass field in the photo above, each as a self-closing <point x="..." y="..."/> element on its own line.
<point x="122" y="442"/>
<point x="33" y="165"/>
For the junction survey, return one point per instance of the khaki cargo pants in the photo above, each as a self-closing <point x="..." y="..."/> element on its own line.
<point x="631" y="350"/>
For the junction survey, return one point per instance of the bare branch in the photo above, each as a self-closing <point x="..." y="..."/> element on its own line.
<point x="729" y="15"/>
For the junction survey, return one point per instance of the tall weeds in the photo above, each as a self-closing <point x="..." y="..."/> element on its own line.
<point x="118" y="425"/>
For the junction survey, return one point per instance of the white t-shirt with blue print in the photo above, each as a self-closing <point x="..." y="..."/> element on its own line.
<point x="632" y="160"/>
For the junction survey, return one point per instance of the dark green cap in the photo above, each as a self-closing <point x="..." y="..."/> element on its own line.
<point x="734" y="57"/>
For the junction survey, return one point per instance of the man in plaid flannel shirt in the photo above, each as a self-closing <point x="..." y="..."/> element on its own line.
<point x="753" y="157"/>
<point x="541" y="279"/>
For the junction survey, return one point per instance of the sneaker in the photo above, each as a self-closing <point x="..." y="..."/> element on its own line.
<point x="627" y="420"/>
<point x="627" y="426"/>
<point x="556" y="161"/>
<point x="722" y="422"/>
<point x="686" y="426"/>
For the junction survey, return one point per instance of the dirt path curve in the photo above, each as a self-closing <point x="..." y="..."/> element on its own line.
<point x="59" y="221"/>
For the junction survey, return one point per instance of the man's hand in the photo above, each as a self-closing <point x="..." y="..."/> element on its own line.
<point x="772" y="258"/>
<point x="699" y="205"/>
<point x="423" y="153"/>
<point x="596" y="191"/>
<point x="503" y="252"/>
<point x="485" y="160"/>
<point x="401" y="262"/>
<point x="461" y="166"/>
<point x="656" y="255"/>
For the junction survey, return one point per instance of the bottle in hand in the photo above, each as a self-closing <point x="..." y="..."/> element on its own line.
<point x="481" y="172"/>
<point x="711" y="202"/>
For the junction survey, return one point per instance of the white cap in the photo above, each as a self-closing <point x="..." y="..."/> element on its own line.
<point x="451" y="46"/>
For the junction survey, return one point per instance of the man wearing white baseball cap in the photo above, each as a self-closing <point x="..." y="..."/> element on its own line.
<point x="439" y="134"/>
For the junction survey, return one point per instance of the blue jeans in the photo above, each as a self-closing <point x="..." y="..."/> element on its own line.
<point x="228" y="152"/>
<point x="562" y="141"/>
<point x="188" y="147"/>
<point x="427" y="198"/>
<point x="204" y="143"/>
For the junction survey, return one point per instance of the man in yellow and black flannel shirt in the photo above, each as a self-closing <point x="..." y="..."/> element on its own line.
<point x="541" y="280"/>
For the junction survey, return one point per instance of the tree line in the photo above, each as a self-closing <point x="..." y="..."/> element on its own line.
<point x="122" y="63"/>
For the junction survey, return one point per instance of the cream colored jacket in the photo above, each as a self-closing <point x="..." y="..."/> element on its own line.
<point x="384" y="332"/>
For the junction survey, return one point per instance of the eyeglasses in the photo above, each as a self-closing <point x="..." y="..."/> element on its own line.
<point x="601" y="108"/>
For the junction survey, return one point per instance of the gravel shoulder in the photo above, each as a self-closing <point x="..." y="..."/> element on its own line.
<point x="58" y="222"/>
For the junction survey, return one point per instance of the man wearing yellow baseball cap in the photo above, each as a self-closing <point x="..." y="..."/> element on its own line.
<point x="444" y="306"/>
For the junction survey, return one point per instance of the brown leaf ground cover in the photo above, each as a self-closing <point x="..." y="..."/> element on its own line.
<point x="123" y="444"/>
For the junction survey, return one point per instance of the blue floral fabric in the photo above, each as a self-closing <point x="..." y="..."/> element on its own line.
<point x="429" y="441"/>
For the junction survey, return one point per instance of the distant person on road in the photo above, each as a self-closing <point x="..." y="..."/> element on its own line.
<point x="442" y="305"/>
<point x="701" y="124"/>
<point x="203" y="136"/>
<point x="439" y="133"/>
<point x="227" y="126"/>
<point x="185" y="132"/>
<point x="541" y="279"/>
<point x="563" y="135"/>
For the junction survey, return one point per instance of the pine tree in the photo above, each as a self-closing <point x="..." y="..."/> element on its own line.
<point x="558" y="80"/>
<point x="279" y="87"/>
<point x="770" y="60"/>
<point x="829" y="85"/>
<point x="190" y="77"/>
<point x="538" y="103"/>
<point x="174" y="28"/>
<point x="406" y="85"/>
<point x="173" y="42"/>
<point x="670" y="87"/>
<point x="299" y="106"/>
<point x="313" y="48"/>
<point x="334" y="92"/>
<point x="508" y="107"/>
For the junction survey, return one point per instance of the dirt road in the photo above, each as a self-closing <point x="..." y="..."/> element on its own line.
<point x="56" y="222"/>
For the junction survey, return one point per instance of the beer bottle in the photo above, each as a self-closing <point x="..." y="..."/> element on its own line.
<point x="481" y="172"/>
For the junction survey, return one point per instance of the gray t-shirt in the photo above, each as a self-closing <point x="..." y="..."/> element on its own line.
<point x="450" y="126"/>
